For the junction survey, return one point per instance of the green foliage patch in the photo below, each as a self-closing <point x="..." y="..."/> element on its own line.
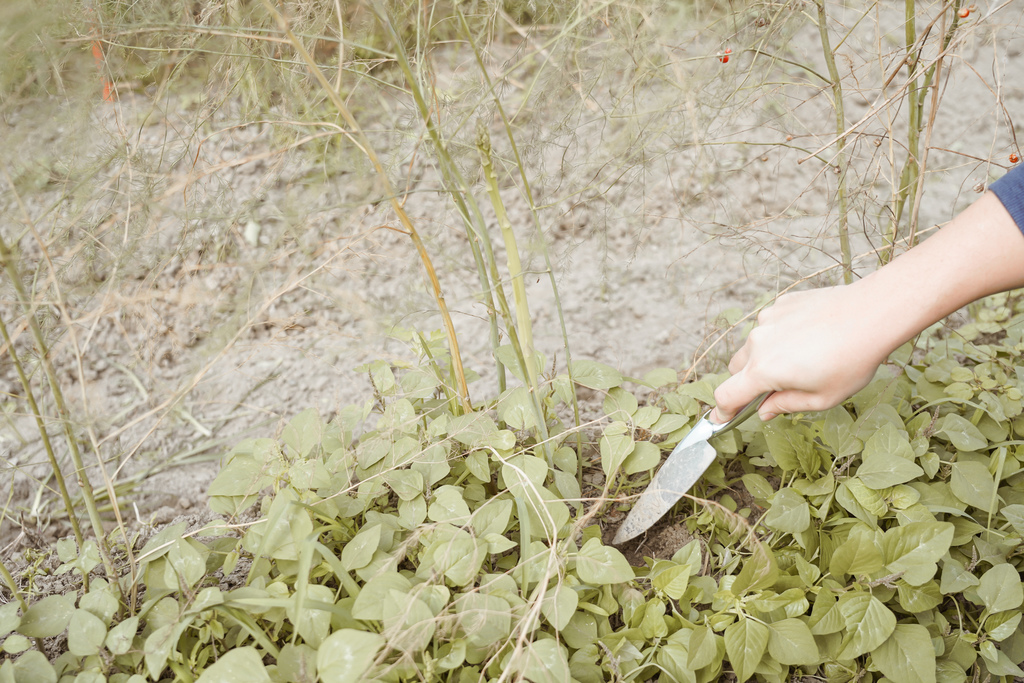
<point x="881" y="541"/>
<point x="413" y="538"/>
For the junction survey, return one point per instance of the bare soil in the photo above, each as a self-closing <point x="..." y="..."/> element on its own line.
<point x="219" y="278"/>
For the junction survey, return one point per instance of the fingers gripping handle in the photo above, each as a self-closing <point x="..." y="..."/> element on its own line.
<point x="746" y="412"/>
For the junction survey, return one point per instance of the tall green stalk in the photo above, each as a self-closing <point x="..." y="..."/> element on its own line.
<point x="519" y="328"/>
<point x="58" y="475"/>
<point x="357" y="135"/>
<point x="841" y="161"/>
<point x="912" y="167"/>
<point x="528" y="192"/>
<point x="465" y="204"/>
<point x="911" y="183"/>
<point x="42" y="348"/>
<point x="915" y="95"/>
<point x="524" y="326"/>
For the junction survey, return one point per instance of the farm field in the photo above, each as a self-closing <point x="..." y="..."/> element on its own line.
<point x="354" y="329"/>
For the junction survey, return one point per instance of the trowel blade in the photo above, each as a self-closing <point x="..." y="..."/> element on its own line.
<point x="681" y="471"/>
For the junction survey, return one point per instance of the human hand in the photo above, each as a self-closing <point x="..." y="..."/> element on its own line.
<point x="813" y="349"/>
<point x="816" y="348"/>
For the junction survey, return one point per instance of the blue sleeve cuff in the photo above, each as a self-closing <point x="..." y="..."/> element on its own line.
<point x="1010" y="190"/>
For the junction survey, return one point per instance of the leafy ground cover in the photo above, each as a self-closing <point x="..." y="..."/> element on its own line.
<point x="408" y="541"/>
<point x="446" y="529"/>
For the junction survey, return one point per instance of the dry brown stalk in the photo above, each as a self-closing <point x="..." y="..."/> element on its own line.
<point x="355" y="133"/>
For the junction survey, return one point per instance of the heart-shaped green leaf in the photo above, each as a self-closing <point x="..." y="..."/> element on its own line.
<point x="745" y="642"/>
<point x="238" y="665"/>
<point x="346" y="655"/>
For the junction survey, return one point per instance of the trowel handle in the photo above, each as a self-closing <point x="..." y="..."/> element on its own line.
<point x="747" y="411"/>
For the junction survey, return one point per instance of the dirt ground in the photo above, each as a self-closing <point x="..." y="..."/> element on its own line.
<point x="221" y="277"/>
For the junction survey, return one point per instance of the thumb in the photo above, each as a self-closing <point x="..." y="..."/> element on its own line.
<point x="734" y="393"/>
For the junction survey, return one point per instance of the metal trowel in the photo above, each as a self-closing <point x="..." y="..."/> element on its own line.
<point x="688" y="461"/>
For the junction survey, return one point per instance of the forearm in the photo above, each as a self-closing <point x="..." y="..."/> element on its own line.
<point x="980" y="252"/>
<point x="815" y="348"/>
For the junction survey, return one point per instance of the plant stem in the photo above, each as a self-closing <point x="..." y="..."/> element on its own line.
<point x="524" y="326"/>
<point x="357" y="135"/>
<point x="12" y="586"/>
<point x="341" y="45"/>
<point x="916" y="95"/>
<point x="908" y="190"/>
<point x="7" y="263"/>
<point x="540" y="239"/>
<point x="931" y="78"/>
<point x="837" y="105"/>
<point x="43" y="434"/>
<point x="465" y="204"/>
<point x="910" y="38"/>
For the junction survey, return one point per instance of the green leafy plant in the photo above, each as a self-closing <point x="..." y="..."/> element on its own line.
<point x="408" y="542"/>
<point x="425" y="536"/>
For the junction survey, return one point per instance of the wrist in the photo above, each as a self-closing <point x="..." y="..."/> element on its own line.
<point x="887" y="316"/>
